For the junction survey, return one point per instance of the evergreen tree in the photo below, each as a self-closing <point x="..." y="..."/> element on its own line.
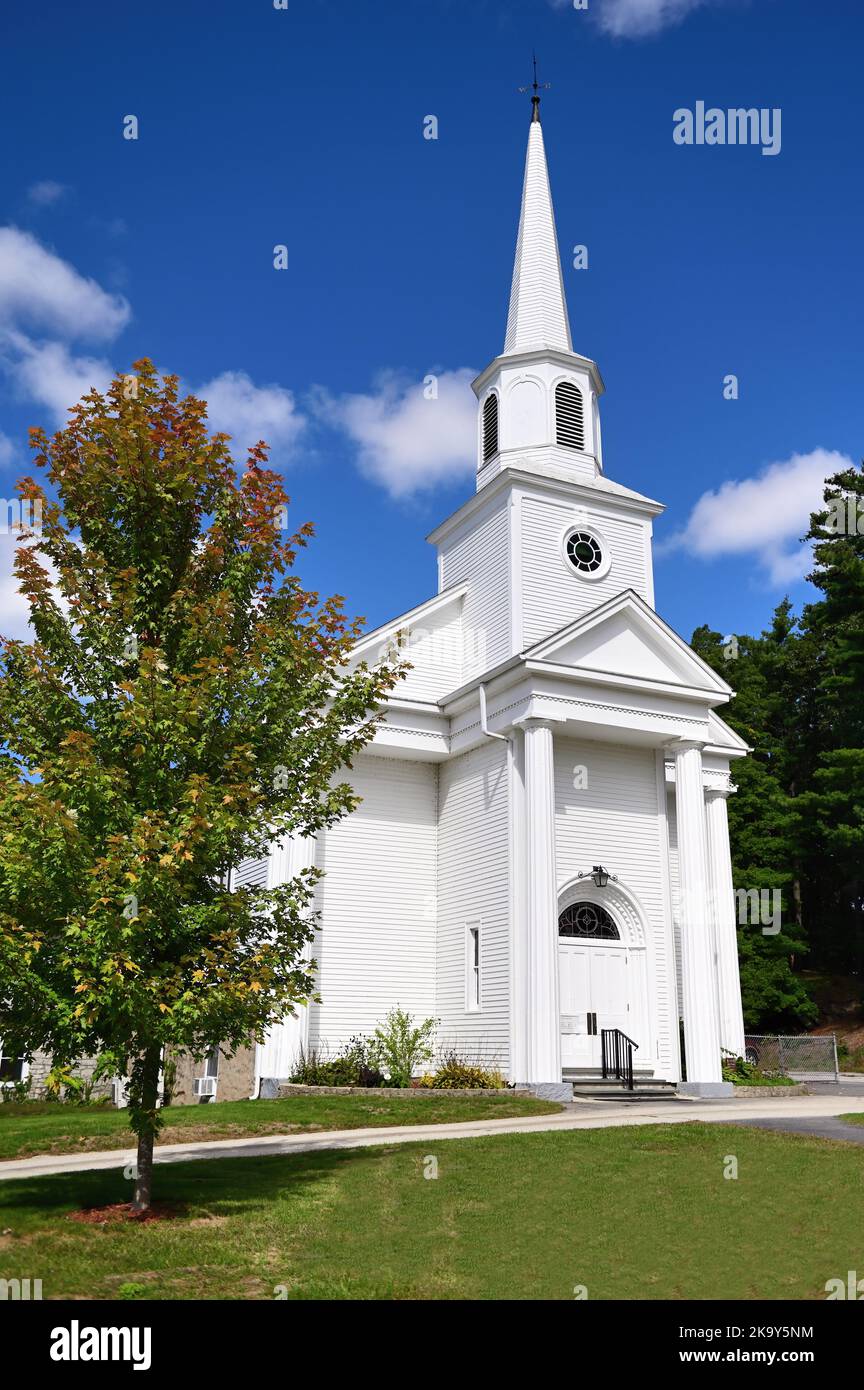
<point x="833" y="806"/>
<point x="767" y="711"/>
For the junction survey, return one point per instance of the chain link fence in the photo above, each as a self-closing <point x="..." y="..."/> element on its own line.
<point x="805" y="1057"/>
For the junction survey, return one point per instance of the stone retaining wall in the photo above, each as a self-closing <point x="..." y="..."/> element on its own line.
<point x="287" y="1089"/>
<point x="757" y="1092"/>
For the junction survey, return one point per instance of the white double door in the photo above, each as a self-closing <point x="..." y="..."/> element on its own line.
<point x="601" y="984"/>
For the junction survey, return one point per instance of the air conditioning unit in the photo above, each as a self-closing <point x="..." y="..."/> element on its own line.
<point x="204" y="1086"/>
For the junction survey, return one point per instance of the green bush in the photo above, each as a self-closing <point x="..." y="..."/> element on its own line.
<point x="399" y="1048"/>
<point x="742" y="1073"/>
<point x="353" y="1066"/>
<point x="850" y="1059"/>
<point x="15" y="1092"/>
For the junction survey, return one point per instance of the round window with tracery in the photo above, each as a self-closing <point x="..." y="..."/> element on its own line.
<point x="584" y="552"/>
<point x="587" y="920"/>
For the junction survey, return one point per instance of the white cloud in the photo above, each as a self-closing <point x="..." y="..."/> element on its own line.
<point x="763" y="517"/>
<point x="39" y="290"/>
<point x="248" y="412"/>
<point x="46" y="192"/>
<point x="14" y="608"/>
<point x="407" y="442"/>
<point x="52" y="375"/>
<point x="42" y="294"/>
<point x="7" y="450"/>
<point x="635" y="19"/>
<point x="638" y="19"/>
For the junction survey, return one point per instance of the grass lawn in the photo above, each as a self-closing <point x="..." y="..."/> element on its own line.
<point x="855" y="1119"/>
<point x="633" y="1213"/>
<point x="34" y="1128"/>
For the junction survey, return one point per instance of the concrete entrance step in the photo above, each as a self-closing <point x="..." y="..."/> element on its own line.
<point x="644" y="1088"/>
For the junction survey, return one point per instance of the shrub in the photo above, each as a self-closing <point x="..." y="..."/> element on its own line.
<point x="354" y="1066"/>
<point x="399" y="1047"/>
<point x="742" y="1073"/>
<point x="15" y="1092"/>
<point x="850" y="1059"/>
<point x="455" y="1075"/>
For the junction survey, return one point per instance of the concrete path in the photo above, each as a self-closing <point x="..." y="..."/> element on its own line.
<point x="585" y="1115"/>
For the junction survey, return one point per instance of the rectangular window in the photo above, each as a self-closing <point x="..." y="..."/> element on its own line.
<point x="11" y="1067"/>
<point x="211" y="1062"/>
<point x="472" y="966"/>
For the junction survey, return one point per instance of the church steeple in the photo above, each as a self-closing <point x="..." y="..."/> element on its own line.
<point x="539" y="400"/>
<point x="538" y="309"/>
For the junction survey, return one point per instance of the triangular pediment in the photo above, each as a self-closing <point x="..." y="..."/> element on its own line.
<point x="624" y="637"/>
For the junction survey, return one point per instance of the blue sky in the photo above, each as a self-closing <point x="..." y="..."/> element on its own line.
<point x="304" y="127"/>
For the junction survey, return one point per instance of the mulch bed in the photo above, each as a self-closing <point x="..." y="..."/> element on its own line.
<point x="122" y="1211"/>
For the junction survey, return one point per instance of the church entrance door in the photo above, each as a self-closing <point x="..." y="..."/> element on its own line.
<point x="601" y="983"/>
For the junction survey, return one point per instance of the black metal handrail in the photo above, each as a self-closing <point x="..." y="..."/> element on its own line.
<point x="616" y="1051"/>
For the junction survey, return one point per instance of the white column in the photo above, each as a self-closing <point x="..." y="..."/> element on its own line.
<point x="519" y="957"/>
<point x="544" y="1023"/>
<point x="723" y="906"/>
<point x="701" y="1025"/>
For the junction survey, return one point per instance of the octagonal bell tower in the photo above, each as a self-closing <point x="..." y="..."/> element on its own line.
<point x="538" y="401"/>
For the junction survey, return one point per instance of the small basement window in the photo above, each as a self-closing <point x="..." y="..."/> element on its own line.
<point x="569" y="416"/>
<point x="490" y="427"/>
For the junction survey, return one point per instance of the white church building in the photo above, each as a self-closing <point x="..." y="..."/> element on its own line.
<point x="540" y="860"/>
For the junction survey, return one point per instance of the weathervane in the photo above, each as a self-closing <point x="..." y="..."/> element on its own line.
<point x="536" y="87"/>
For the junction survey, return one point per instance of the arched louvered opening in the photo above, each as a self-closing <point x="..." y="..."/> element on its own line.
<point x="490" y="427"/>
<point x="569" y="416"/>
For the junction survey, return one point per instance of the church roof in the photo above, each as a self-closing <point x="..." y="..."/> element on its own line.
<point x="538" y="309"/>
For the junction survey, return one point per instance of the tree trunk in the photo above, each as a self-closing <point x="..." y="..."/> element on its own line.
<point x="147" y="1132"/>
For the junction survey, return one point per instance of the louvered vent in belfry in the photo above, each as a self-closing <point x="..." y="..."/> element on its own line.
<point x="490" y="427"/>
<point x="569" y="422"/>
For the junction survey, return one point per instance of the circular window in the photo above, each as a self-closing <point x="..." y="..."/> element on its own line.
<point x="587" y="919"/>
<point x="584" y="552"/>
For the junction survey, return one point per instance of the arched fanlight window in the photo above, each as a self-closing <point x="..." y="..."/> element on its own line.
<point x="490" y="427"/>
<point x="569" y="416"/>
<point x="587" y="920"/>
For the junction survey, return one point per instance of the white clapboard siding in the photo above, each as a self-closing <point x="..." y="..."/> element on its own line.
<point x="473" y="882"/>
<point x="613" y="821"/>
<point x="480" y="557"/>
<point x="376" y="945"/>
<point x="434" y="647"/>
<point x="553" y="594"/>
<point x="251" y="873"/>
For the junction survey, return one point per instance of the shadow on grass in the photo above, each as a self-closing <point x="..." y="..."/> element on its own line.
<point x="224" y="1187"/>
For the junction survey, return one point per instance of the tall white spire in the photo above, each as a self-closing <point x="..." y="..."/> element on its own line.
<point x="538" y="309"/>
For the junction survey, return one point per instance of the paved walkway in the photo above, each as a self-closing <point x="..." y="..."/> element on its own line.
<point x="777" y="1112"/>
<point x="825" y="1127"/>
